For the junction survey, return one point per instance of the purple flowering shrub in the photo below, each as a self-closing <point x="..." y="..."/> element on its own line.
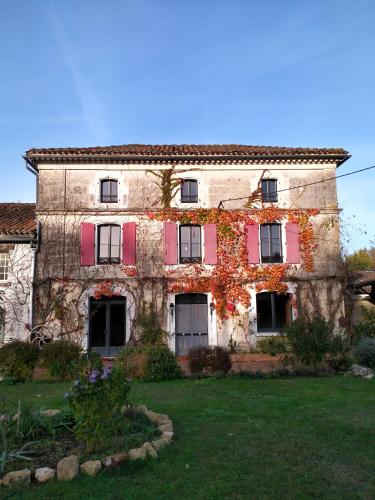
<point x="96" y="401"/>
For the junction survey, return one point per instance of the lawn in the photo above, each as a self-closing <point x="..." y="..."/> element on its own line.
<point x="239" y="438"/>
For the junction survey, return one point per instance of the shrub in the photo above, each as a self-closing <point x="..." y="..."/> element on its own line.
<point x="96" y="401"/>
<point x="149" y="362"/>
<point x="212" y="358"/>
<point x="18" y="359"/>
<point x="219" y="360"/>
<point x="365" y="352"/>
<point x="272" y="345"/>
<point x="151" y="332"/>
<point x="161" y="364"/>
<point x="62" y="359"/>
<point x="366" y="327"/>
<point x="313" y="341"/>
<point x="199" y="358"/>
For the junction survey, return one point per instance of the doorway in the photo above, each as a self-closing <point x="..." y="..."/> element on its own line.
<point x="107" y="332"/>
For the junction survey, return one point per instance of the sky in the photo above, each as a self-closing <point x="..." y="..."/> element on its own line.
<point x="283" y="73"/>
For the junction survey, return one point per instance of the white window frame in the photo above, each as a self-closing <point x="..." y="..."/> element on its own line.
<point x="5" y="266"/>
<point x="97" y="246"/>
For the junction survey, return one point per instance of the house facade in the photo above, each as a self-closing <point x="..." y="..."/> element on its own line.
<point x="18" y="245"/>
<point x="225" y="243"/>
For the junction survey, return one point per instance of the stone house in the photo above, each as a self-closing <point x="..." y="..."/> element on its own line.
<point x="18" y="245"/>
<point x="225" y="242"/>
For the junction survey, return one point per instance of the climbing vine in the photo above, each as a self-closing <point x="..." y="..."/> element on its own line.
<point x="228" y="280"/>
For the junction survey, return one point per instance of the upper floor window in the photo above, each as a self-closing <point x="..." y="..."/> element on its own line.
<point x="189" y="191"/>
<point x="269" y="190"/>
<point x="270" y="243"/>
<point x="109" y="244"/>
<point x="4" y="266"/>
<point x="190" y="244"/>
<point x="108" y="191"/>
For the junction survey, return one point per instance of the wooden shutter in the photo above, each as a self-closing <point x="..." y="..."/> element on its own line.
<point x="292" y="243"/>
<point x="252" y="243"/>
<point x="87" y="244"/>
<point x="210" y="244"/>
<point x="170" y="243"/>
<point x="129" y="246"/>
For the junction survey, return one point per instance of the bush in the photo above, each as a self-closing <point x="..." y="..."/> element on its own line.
<point x="149" y="362"/>
<point x="62" y="358"/>
<point x="212" y="358"/>
<point x="219" y="360"/>
<point x="366" y="327"/>
<point x="18" y="359"/>
<point x="96" y="401"/>
<point x="199" y="358"/>
<point x="272" y="345"/>
<point x="313" y="342"/>
<point x="365" y="352"/>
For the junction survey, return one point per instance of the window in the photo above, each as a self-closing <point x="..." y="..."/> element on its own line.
<point x="270" y="241"/>
<point x="269" y="190"/>
<point x="189" y="191"/>
<point x="109" y="243"/>
<point x="190" y="244"/>
<point x="108" y="191"/>
<point x="4" y="263"/>
<point x="273" y="312"/>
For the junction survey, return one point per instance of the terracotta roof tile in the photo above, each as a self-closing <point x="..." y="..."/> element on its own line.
<point x="185" y="150"/>
<point x="17" y="218"/>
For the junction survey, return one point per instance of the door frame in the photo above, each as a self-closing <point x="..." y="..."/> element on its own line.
<point x="107" y="301"/>
<point x="171" y="324"/>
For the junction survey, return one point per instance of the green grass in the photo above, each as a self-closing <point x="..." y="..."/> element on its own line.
<point x="239" y="438"/>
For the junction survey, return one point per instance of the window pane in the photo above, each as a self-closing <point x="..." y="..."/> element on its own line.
<point x="114" y="189"/>
<point x="264" y="312"/>
<point x="196" y="234"/>
<point x="194" y="189"/>
<point x="196" y="250"/>
<point x="281" y="302"/>
<point x="3" y="266"/>
<point x="185" y="189"/>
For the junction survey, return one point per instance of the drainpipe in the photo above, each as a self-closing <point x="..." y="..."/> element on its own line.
<point x="34" y="249"/>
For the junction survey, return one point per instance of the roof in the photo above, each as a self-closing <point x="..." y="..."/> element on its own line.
<point x="17" y="218"/>
<point x="183" y="152"/>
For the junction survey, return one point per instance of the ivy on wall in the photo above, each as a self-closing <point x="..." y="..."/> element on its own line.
<point x="228" y="280"/>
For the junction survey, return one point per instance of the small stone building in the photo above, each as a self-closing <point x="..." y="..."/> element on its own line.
<point x="18" y="244"/>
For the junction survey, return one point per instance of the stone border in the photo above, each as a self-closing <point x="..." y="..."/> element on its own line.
<point x="69" y="467"/>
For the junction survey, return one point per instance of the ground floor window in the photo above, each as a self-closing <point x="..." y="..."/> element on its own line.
<point x="107" y="325"/>
<point x="273" y="311"/>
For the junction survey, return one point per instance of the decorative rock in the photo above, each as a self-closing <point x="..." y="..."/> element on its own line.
<point x="50" y="413"/>
<point x="91" y="467"/>
<point x="68" y="468"/>
<point x="44" y="474"/>
<point x="137" y="454"/>
<point x="151" y="452"/>
<point x="160" y="443"/>
<point x="157" y="418"/>
<point x="115" y="459"/>
<point x="361" y="371"/>
<point x="167" y="436"/>
<point x="17" y="477"/>
<point x="167" y="427"/>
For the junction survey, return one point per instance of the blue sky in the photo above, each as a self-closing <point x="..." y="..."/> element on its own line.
<point x="287" y="73"/>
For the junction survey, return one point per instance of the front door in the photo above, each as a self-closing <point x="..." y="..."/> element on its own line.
<point x="107" y="325"/>
<point x="191" y="321"/>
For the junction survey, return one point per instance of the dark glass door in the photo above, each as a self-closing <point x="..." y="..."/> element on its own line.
<point x="191" y="321"/>
<point x="107" y="325"/>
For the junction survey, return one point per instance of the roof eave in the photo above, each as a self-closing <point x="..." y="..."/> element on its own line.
<point x="33" y="160"/>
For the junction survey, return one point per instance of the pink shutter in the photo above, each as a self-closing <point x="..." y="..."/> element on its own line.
<point x="170" y="243"/>
<point x="252" y="243"/>
<point x="210" y="244"/>
<point x="87" y="244"/>
<point x="129" y="246"/>
<point x="292" y="243"/>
